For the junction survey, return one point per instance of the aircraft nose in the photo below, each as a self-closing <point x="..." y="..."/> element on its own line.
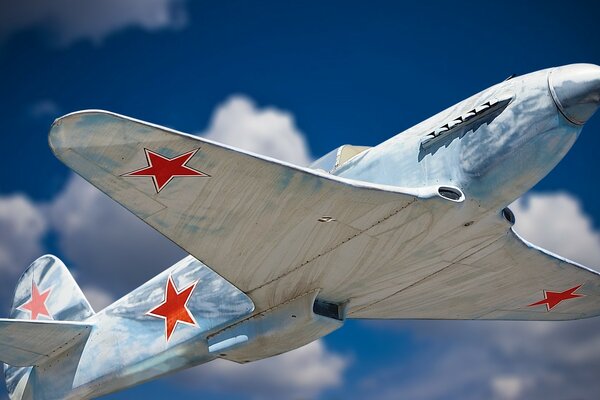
<point x="576" y="90"/>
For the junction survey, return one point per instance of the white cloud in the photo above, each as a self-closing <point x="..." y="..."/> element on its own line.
<point x="556" y="222"/>
<point x="71" y="20"/>
<point x="269" y="131"/>
<point x="22" y="227"/>
<point x="492" y="359"/>
<point x="301" y="373"/>
<point x="507" y="387"/>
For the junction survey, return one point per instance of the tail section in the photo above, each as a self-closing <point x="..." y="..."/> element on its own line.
<point x="46" y="294"/>
<point x="57" y="348"/>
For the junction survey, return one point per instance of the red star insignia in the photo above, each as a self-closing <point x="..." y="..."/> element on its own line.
<point x="173" y="309"/>
<point x="552" y="299"/>
<point x="37" y="304"/>
<point x="162" y="169"/>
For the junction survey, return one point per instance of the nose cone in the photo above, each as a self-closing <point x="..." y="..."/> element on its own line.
<point x="576" y="90"/>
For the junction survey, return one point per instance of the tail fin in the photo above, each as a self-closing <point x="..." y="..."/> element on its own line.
<point x="45" y="293"/>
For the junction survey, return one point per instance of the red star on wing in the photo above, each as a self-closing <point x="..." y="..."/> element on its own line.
<point x="162" y="169"/>
<point x="174" y="309"/>
<point x="552" y="299"/>
<point x="37" y="304"/>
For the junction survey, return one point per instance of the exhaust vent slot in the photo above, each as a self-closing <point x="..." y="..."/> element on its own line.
<point x="466" y="121"/>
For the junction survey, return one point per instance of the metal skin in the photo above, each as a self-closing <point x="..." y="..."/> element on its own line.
<point x="126" y="345"/>
<point x="502" y="158"/>
<point x="456" y="170"/>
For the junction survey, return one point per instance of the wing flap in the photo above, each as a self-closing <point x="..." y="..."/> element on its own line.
<point x="26" y="343"/>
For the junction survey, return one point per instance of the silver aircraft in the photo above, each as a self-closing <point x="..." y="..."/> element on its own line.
<point x="281" y="255"/>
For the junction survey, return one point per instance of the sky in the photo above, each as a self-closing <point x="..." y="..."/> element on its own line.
<point x="294" y="80"/>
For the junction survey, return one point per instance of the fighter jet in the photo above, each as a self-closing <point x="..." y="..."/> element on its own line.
<point x="416" y="227"/>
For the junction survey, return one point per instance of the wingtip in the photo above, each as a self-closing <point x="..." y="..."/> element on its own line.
<point x="54" y="135"/>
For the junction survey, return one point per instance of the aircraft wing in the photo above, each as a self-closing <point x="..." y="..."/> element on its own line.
<point x="252" y="219"/>
<point x="504" y="278"/>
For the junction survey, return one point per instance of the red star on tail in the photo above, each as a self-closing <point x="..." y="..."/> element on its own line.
<point x="162" y="169"/>
<point x="552" y="299"/>
<point x="37" y="304"/>
<point x="174" y="309"/>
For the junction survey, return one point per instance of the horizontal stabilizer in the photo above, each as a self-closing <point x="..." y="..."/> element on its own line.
<point x="26" y="343"/>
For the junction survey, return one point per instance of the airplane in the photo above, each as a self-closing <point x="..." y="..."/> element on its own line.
<point x="281" y="255"/>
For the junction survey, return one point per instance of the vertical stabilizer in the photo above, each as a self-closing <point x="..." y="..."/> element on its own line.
<point x="45" y="292"/>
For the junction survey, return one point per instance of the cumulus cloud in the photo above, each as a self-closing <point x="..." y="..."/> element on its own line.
<point x="22" y="229"/>
<point x="501" y="359"/>
<point x="491" y="359"/>
<point x="507" y="387"/>
<point x="68" y="21"/>
<point x="268" y="131"/>
<point x="557" y="222"/>
<point x="298" y="374"/>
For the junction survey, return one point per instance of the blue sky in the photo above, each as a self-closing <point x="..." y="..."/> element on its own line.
<point x="296" y="79"/>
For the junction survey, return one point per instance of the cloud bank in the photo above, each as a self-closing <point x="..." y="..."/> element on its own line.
<point x="299" y="374"/>
<point x="557" y="222"/>
<point x="268" y="131"/>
